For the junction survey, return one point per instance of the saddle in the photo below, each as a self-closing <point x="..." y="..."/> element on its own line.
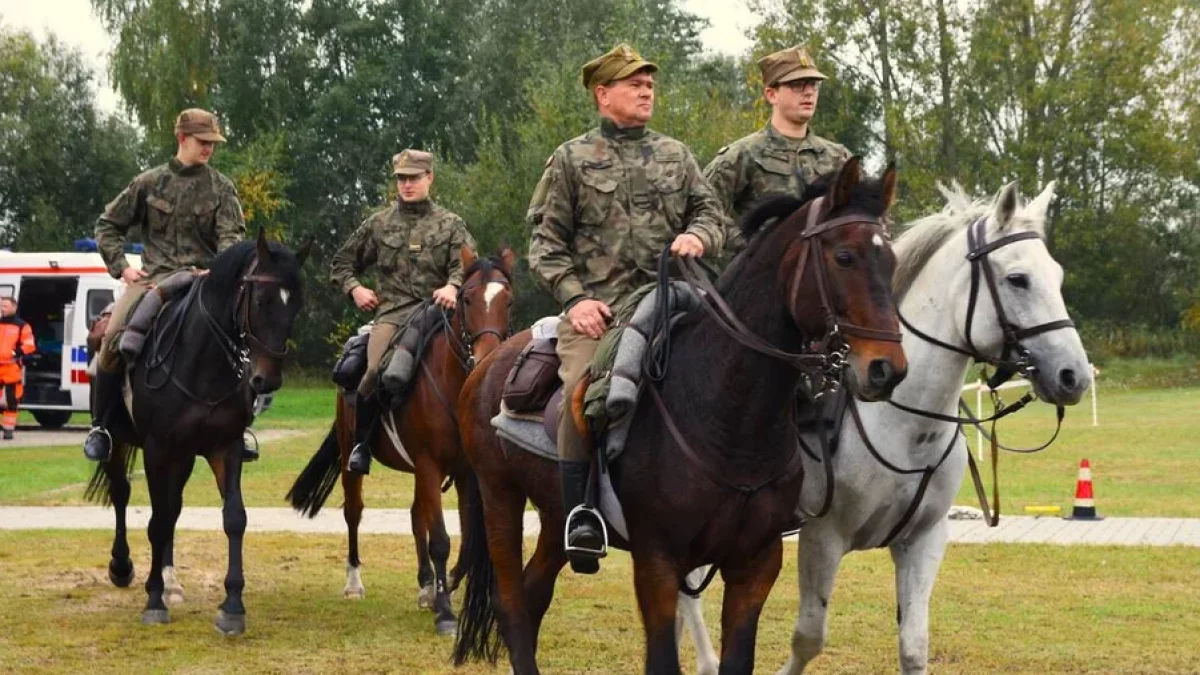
<point x="398" y="363"/>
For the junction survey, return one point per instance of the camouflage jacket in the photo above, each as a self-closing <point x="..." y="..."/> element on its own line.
<point x="417" y="250"/>
<point x="187" y="216"/>
<point x="764" y="164"/>
<point x="608" y="203"/>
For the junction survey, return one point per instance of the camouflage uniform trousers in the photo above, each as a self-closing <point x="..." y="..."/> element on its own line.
<point x="575" y="351"/>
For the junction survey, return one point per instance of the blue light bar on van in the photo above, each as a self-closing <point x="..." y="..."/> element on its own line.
<point x="89" y="245"/>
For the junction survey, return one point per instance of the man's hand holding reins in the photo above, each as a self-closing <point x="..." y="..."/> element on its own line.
<point x="446" y="297"/>
<point x="687" y="246"/>
<point x="589" y="317"/>
<point x="365" y="298"/>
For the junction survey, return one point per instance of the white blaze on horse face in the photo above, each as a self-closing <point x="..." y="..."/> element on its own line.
<point x="490" y="292"/>
<point x="284" y="295"/>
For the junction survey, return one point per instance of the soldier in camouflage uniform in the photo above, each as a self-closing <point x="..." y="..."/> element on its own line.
<point x="783" y="157"/>
<point x="608" y="203"/>
<point x="187" y="213"/>
<point x="416" y="245"/>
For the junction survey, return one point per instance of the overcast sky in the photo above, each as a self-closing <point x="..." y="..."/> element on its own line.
<point x="74" y="23"/>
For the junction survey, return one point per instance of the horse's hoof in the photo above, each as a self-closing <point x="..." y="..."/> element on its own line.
<point x="425" y="597"/>
<point x="173" y="596"/>
<point x="354" y="593"/>
<point x="153" y="617"/>
<point x="118" y="577"/>
<point x="230" y="624"/>
<point x="447" y="627"/>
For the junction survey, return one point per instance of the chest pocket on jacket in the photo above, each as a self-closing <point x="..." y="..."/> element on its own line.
<point x="393" y="253"/>
<point x="204" y="216"/>
<point x="669" y="176"/>
<point x="159" y="212"/>
<point x="597" y="189"/>
<point x="774" y="175"/>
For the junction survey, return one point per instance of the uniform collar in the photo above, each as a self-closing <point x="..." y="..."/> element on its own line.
<point x="610" y="130"/>
<point x="421" y="208"/>
<point x="178" y="168"/>
<point x="806" y="143"/>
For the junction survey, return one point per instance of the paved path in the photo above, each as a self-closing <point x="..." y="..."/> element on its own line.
<point x="1012" y="529"/>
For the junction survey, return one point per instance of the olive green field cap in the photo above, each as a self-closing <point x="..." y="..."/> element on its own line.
<point x="617" y="64"/>
<point x="789" y="65"/>
<point x="199" y="123"/>
<point x="412" y="162"/>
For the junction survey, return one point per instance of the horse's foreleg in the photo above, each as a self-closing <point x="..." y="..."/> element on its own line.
<point x="429" y="482"/>
<point x="456" y="573"/>
<point x="503" y="520"/>
<point x="231" y="617"/>
<point x="120" y="566"/>
<point x="917" y="562"/>
<point x="541" y="573"/>
<point x="656" y="580"/>
<point x="820" y="555"/>
<point x="746" y="588"/>
<point x="426" y="592"/>
<point x="690" y="614"/>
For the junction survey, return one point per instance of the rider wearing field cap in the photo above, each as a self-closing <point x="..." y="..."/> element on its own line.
<point x="416" y="246"/>
<point x="783" y="157"/>
<point x="187" y="213"/>
<point x="607" y="205"/>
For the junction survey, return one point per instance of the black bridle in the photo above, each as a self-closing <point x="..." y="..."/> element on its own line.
<point x="464" y="340"/>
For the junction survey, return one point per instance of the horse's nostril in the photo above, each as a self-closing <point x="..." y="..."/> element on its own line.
<point x="1066" y="377"/>
<point x="880" y="372"/>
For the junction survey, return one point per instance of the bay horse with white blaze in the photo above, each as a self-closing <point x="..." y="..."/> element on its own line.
<point x="427" y="430"/>
<point x="192" y="394"/>
<point x="710" y="473"/>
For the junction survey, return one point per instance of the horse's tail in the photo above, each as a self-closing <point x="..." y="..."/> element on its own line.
<point x="478" y="632"/>
<point x="317" y="480"/>
<point x="99" y="487"/>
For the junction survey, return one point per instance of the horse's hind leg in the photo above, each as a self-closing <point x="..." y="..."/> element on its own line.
<point x="120" y="566"/>
<point x="917" y="561"/>
<point x="352" y="510"/>
<point x="541" y="573"/>
<point x="690" y="614"/>
<point x="426" y="591"/>
<point x="231" y="617"/>
<point x="746" y="588"/>
<point x="821" y="553"/>
<point x="429" y="494"/>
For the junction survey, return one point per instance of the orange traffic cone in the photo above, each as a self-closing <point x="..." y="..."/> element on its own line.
<point x="1085" y="502"/>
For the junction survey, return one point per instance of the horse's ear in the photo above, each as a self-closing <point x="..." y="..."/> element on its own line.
<point x="889" y="187"/>
<point x="1006" y="205"/>
<point x="264" y="251"/>
<point x="507" y="259"/>
<point x="468" y="258"/>
<point x="847" y="179"/>
<point x="1039" y="207"/>
<point x="303" y="252"/>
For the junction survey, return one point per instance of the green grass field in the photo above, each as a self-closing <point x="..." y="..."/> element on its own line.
<point x="1143" y="456"/>
<point x="997" y="608"/>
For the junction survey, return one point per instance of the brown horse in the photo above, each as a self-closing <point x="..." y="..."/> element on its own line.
<point x="427" y="429"/>
<point x="710" y="473"/>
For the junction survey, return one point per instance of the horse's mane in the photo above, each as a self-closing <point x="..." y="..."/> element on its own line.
<point x="225" y="274"/>
<point x="486" y="265"/>
<point x="926" y="236"/>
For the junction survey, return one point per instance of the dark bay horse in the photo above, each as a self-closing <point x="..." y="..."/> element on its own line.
<point x="192" y="392"/>
<point x="427" y="429"/>
<point x="710" y="473"/>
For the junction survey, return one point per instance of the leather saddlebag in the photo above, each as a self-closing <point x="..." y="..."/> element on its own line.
<point x="533" y="378"/>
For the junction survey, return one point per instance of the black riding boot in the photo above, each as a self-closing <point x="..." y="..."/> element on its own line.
<point x="366" y="419"/>
<point x="585" y="536"/>
<point x="98" y="444"/>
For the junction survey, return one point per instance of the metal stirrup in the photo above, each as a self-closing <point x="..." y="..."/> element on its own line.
<point x="603" y="552"/>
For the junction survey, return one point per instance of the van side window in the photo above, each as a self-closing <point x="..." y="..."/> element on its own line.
<point x="8" y="290"/>
<point x="97" y="300"/>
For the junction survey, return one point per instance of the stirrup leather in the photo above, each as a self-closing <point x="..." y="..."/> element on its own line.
<point x="582" y="509"/>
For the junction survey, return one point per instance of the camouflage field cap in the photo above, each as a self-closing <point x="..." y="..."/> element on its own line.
<point x="617" y="64"/>
<point x="412" y="162"/>
<point x="788" y="65"/>
<point x="199" y="123"/>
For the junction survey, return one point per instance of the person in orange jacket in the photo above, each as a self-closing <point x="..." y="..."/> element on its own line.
<point x="16" y="343"/>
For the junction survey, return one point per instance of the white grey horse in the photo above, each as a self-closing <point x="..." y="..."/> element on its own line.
<point x="933" y="290"/>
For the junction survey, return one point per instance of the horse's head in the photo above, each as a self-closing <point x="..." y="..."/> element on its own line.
<point x="836" y="275"/>
<point x="269" y="296"/>
<point x="1030" y="326"/>
<point x="484" y="300"/>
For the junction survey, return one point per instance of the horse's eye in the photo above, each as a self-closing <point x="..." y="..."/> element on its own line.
<point x="844" y="259"/>
<point x="1018" y="280"/>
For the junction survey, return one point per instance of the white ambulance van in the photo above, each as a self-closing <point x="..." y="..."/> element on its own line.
<point x="59" y="295"/>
